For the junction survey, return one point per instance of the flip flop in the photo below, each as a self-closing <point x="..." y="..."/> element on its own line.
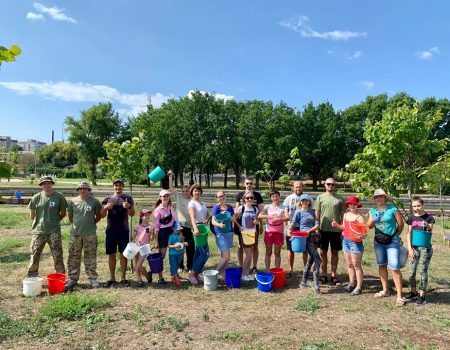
<point x="382" y="294"/>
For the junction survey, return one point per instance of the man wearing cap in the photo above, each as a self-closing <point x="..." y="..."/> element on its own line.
<point x="118" y="206"/>
<point x="290" y="205"/>
<point x="330" y="206"/>
<point x="47" y="209"/>
<point x="84" y="213"/>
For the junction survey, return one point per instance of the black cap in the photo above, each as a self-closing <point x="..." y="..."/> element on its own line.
<point x="117" y="181"/>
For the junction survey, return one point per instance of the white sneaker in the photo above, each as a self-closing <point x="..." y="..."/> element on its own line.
<point x="94" y="283"/>
<point x="246" y="278"/>
<point x="250" y="278"/>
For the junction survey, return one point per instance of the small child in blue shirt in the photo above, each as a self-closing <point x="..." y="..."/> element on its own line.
<point x="176" y="250"/>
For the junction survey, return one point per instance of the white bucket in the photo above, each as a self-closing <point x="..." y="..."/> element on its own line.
<point x="32" y="286"/>
<point x="131" y="250"/>
<point x="210" y="279"/>
<point x="144" y="250"/>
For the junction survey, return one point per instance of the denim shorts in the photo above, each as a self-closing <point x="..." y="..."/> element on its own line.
<point x="224" y="241"/>
<point x="349" y="246"/>
<point x="388" y="254"/>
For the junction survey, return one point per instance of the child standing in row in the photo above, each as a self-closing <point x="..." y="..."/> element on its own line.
<point x="144" y="233"/>
<point x="305" y="220"/>
<point x="352" y="245"/>
<point x="176" y="250"/>
<point x="419" y="223"/>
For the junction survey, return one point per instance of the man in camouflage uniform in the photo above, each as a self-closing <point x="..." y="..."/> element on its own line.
<point x="47" y="209"/>
<point x="84" y="213"/>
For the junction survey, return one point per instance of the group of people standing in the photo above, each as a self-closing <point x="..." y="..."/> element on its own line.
<point x="328" y="223"/>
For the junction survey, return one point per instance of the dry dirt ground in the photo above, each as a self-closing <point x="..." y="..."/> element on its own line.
<point x="188" y="317"/>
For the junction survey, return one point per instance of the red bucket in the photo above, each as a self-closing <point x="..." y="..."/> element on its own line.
<point x="297" y="233"/>
<point x="55" y="283"/>
<point x="279" y="277"/>
<point x="356" y="230"/>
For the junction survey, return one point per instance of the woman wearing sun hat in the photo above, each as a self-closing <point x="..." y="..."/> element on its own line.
<point x="352" y="245"/>
<point x="388" y="225"/>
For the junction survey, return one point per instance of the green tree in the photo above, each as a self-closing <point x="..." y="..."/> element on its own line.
<point x="9" y="55"/>
<point x="96" y="125"/>
<point x="5" y="170"/>
<point x="397" y="147"/>
<point x="58" y="154"/>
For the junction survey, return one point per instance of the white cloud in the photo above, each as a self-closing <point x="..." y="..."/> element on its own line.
<point x="368" y="84"/>
<point x="428" y="54"/>
<point x="353" y="56"/>
<point x="35" y="16"/>
<point x="216" y="96"/>
<point x="81" y="92"/>
<point x="53" y="12"/>
<point x="300" y="25"/>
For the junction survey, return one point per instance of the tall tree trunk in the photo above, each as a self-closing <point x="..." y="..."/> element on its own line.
<point x="148" y="172"/>
<point x="200" y="174"/>
<point x="191" y="178"/>
<point x="225" y="178"/>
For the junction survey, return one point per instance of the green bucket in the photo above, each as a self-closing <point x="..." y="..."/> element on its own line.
<point x="202" y="239"/>
<point x="157" y="174"/>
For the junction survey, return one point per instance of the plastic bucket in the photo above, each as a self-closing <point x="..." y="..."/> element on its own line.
<point x="421" y="238"/>
<point x="248" y="236"/>
<point x="202" y="239"/>
<point x="144" y="249"/>
<point x="155" y="261"/>
<point x="224" y="218"/>
<point x="357" y="228"/>
<point x="157" y="174"/>
<point x="130" y="250"/>
<point x="298" y="244"/>
<point x="233" y="277"/>
<point x="403" y="256"/>
<point x="32" y="286"/>
<point x="264" y="280"/>
<point x="297" y="233"/>
<point x="55" y="283"/>
<point x="210" y="279"/>
<point x="279" y="277"/>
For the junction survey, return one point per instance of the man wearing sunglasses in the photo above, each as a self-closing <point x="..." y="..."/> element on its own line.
<point x="258" y="201"/>
<point x="329" y="207"/>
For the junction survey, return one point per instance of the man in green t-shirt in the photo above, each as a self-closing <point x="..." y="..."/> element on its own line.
<point x="47" y="209"/>
<point x="84" y="213"/>
<point x="330" y="206"/>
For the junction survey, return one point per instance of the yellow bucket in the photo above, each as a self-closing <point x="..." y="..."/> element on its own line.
<point x="248" y="236"/>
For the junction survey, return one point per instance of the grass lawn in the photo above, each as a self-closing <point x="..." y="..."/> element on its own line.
<point x="188" y="317"/>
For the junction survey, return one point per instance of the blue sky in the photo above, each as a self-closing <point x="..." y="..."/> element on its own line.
<point x="79" y="53"/>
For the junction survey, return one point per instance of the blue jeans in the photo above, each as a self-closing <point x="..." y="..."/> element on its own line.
<point x="349" y="246"/>
<point x="174" y="261"/>
<point x="388" y="254"/>
<point x="224" y="241"/>
<point x="201" y="256"/>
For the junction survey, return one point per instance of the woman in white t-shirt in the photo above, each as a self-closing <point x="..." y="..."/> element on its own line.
<point x="198" y="214"/>
<point x="273" y="237"/>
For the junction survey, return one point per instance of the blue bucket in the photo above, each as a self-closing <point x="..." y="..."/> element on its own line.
<point x="233" y="277"/>
<point x="155" y="261"/>
<point x="298" y="244"/>
<point x="421" y="238"/>
<point x="224" y="218"/>
<point x="157" y="174"/>
<point x="264" y="280"/>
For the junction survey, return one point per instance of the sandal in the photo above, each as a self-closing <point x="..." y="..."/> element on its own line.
<point x="140" y="284"/>
<point x="382" y="294"/>
<point x="336" y="281"/>
<point x="125" y="283"/>
<point x="108" y="283"/>
<point x="288" y="274"/>
<point x="323" y="279"/>
<point x="399" y="303"/>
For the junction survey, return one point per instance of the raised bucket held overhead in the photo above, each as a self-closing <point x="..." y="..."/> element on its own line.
<point x="157" y="174"/>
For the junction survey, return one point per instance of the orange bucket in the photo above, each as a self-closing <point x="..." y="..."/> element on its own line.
<point x="357" y="229"/>
<point x="279" y="277"/>
<point x="55" y="283"/>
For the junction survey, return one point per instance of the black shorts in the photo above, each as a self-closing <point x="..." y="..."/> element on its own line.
<point x="163" y="236"/>
<point x="332" y="239"/>
<point x="116" y="241"/>
<point x="288" y="243"/>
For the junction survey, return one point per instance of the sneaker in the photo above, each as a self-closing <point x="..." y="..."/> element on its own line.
<point x="246" y="278"/>
<point x="356" y="291"/>
<point x="316" y="289"/>
<point x="250" y="278"/>
<point x="411" y="296"/>
<point x="94" y="283"/>
<point x="162" y="281"/>
<point x="70" y="284"/>
<point x="253" y="270"/>
<point x="176" y="281"/>
<point x="420" y="301"/>
<point x="303" y="284"/>
<point x="348" y="288"/>
<point x="140" y="284"/>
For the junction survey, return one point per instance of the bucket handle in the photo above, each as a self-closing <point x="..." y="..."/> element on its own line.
<point x="273" y="277"/>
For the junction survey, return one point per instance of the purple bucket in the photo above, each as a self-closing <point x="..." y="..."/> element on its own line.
<point x="155" y="261"/>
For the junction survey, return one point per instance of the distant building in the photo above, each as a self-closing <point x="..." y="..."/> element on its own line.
<point x="31" y="145"/>
<point x="7" y="142"/>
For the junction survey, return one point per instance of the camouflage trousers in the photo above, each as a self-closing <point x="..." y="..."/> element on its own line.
<point x="87" y="244"/>
<point x="37" y="246"/>
<point x="422" y="258"/>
